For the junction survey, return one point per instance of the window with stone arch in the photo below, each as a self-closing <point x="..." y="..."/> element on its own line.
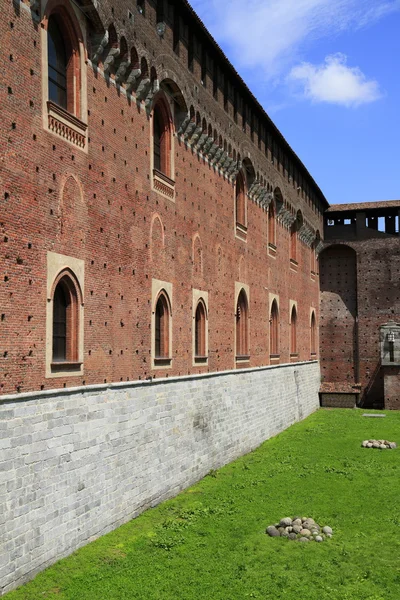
<point x="274" y="330"/>
<point x="242" y="326"/>
<point x="313" y="335"/>
<point x="162" y="139"/>
<point x="272" y="224"/>
<point x="313" y="255"/>
<point x="200" y="332"/>
<point x="67" y="299"/>
<point x="240" y="201"/>
<point x="295" y="228"/>
<point x="162" y="327"/>
<point x="244" y="180"/>
<point x="293" y="332"/>
<point x="63" y="57"/>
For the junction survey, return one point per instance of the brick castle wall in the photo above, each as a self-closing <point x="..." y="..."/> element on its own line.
<point x="99" y="207"/>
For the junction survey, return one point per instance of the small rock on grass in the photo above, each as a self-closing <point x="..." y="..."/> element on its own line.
<point x="272" y="531"/>
<point x="327" y="530"/>
<point x="303" y="539"/>
<point x="285" y="522"/>
<point x="319" y="538"/>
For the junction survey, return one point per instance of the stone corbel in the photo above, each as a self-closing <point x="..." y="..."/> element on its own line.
<point x="154" y="89"/>
<point x="217" y="156"/>
<point x="143" y="89"/>
<point x="196" y="135"/>
<point x="258" y="194"/>
<point x="99" y="42"/>
<point x="213" y="150"/>
<point x="202" y="140"/>
<point x="305" y="234"/>
<point x="265" y="199"/>
<point x="255" y="186"/>
<point x="110" y="59"/>
<point x="121" y="71"/>
<point x="223" y="159"/>
<point x="133" y="79"/>
<point x="183" y="125"/>
<point x="189" y="130"/>
<point x="318" y="247"/>
<point x="208" y="145"/>
<point x="34" y="5"/>
<point x="227" y="165"/>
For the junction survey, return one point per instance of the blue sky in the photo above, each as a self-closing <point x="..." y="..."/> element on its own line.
<point x="328" y="74"/>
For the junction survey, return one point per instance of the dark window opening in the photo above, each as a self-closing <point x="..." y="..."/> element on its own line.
<point x="58" y="60"/>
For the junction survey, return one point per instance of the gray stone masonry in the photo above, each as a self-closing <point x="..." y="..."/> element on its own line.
<point x="75" y="464"/>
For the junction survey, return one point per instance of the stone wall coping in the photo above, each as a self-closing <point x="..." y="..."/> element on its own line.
<point x="84" y="389"/>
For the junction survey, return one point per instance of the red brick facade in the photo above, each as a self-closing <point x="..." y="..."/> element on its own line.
<point x="87" y="190"/>
<point x="360" y="292"/>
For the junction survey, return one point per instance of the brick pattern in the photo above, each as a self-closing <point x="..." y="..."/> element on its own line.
<point x="99" y="206"/>
<point x="75" y="465"/>
<point x="373" y="297"/>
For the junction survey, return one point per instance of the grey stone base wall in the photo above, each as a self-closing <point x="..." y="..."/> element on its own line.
<point x="75" y="464"/>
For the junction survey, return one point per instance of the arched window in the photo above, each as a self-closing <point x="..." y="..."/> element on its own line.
<point x="240" y="201"/>
<point x="242" y="326"/>
<point x="293" y="332"/>
<point x="64" y="79"/>
<point x="313" y="335"/>
<point x="312" y="259"/>
<point x="293" y="242"/>
<point x="58" y="59"/>
<point x="200" y="348"/>
<point x="161" y="330"/>
<point x="65" y="321"/>
<point x="161" y="140"/>
<point x="274" y="330"/>
<point x="271" y="225"/>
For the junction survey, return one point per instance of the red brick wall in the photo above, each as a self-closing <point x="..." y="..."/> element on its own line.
<point x="376" y="303"/>
<point x="99" y="207"/>
<point x="338" y="283"/>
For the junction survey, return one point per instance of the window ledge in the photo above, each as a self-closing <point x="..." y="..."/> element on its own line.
<point x="274" y="358"/>
<point x="243" y="358"/>
<point x="272" y="250"/>
<point x="241" y="231"/>
<point x="294" y="357"/>
<point x="163" y="184"/>
<point x="293" y="264"/>
<point x="162" y="361"/>
<point x="65" y="366"/>
<point x="201" y="360"/>
<point x="66" y="126"/>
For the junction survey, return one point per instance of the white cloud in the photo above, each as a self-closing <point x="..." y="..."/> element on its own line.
<point x="271" y="34"/>
<point x="335" y="82"/>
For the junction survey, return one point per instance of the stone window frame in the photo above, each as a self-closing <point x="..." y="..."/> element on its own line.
<point x="161" y="288"/>
<point x="69" y="124"/>
<point x="241" y="206"/>
<point x="60" y="267"/>
<point x="293" y="329"/>
<point x="162" y="180"/>
<point x="272" y="229"/>
<point x="244" y="355"/>
<point x="274" y="343"/>
<point x="313" y="334"/>
<point x="200" y="296"/>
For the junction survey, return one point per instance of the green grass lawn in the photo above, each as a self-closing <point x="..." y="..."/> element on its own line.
<point x="210" y="542"/>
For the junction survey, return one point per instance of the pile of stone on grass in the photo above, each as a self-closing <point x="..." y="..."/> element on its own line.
<point x="381" y="444"/>
<point x="302" y="529"/>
